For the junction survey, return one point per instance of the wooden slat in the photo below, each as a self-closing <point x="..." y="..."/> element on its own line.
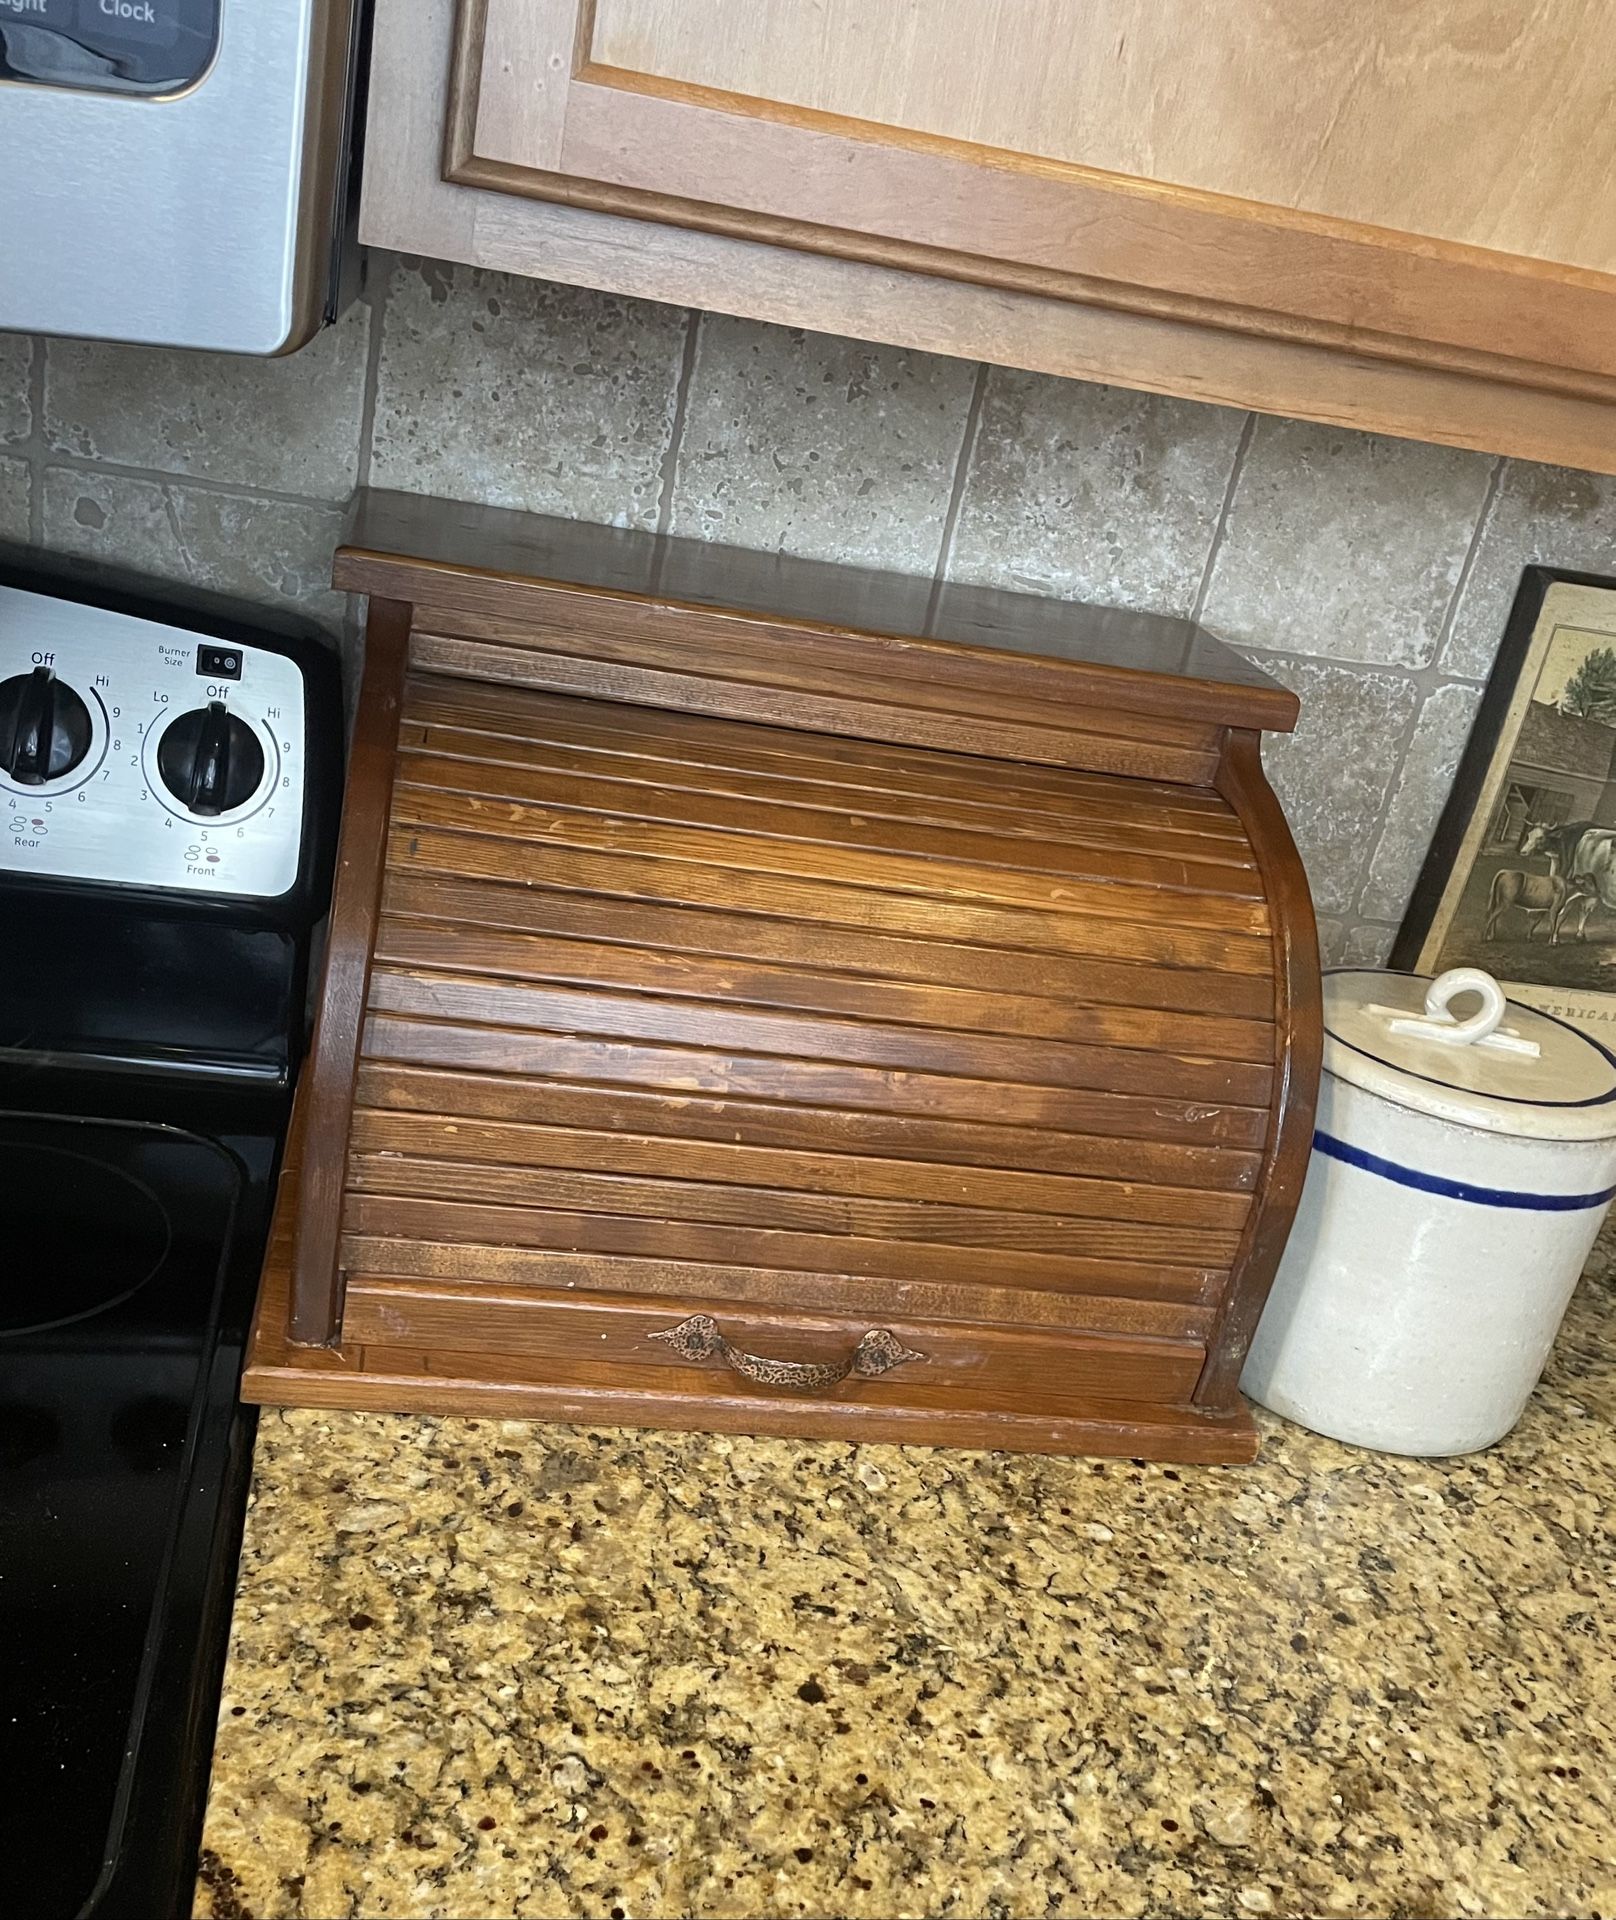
<point x="1071" y="982"/>
<point x="1082" y="809"/>
<point x="523" y="716"/>
<point x="1003" y="1061"/>
<point x="478" y="1274"/>
<point x="683" y="1071"/>
<point x="449" y="1132"/>
<point x="872" y="719"/>
<point x="536" y="824"/>
<point x="504" y="1094"/>
<point x="924" y="1222"/>
<point x="1140" y="858"/>
<point x="523" y="1276"/>
<point x="470" y="949"/>
<point x="487" y="856"/>
<point x="502" y="1232"/>
<point x="1075" y="820"/>
<point x="810" y="660"/>
<point x="992" y="1369"/>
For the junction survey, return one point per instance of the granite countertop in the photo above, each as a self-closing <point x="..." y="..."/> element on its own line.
<point x="487" y="1668"/>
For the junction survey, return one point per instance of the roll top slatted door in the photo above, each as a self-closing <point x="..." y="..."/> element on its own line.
<point x="773" y="998"/>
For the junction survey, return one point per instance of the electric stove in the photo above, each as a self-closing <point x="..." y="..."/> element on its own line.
<point x="169" y="775"/>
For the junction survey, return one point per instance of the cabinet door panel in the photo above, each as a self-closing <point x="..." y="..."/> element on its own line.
<point x="1270" y="173"/>
<point x="1378" y="112"/>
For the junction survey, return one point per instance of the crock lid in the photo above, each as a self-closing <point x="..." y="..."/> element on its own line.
<point x="1486" y="1062"/>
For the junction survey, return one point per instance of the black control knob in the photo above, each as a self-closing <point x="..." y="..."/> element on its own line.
<point x="209" y="760"/>
<point x="44" y="727"/>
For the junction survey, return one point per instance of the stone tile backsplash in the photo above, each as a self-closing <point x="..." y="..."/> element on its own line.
<point x="521" y="393"/>
<point x="1547" y="516"/>
<point x="275" y="551"/>
<point x="1334" y="772"/>
<point x="1093" y="493"/>
<point x="1428" y="768"/>
<point x="1344" y="545"/>
<point x="1372" y="575"/>
<point x="15" y="361"/>
<point x="831" y="448"/>
<point x="291" y="426"/>
<point x="14" y="491"/>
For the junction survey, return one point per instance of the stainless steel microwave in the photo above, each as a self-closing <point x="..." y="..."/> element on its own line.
<point x="175" y="171"/>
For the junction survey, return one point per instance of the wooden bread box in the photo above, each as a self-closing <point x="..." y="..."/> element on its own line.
<point x="770" y="997"/>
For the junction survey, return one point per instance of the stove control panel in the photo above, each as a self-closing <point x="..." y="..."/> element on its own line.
<point x="146" y="755"/>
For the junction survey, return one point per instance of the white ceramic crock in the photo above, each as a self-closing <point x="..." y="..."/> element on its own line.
<point x="1460" y="1171"/>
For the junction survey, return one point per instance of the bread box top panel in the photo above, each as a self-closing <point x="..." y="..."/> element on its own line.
<point x="451" y="560"/>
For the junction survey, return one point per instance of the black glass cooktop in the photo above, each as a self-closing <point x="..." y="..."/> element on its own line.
<point x="116" y="1245"/>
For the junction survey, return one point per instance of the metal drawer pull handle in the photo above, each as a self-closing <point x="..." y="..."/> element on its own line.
<point x="699" y="1338"/>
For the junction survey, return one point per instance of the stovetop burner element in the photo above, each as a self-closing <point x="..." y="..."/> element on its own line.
<point x="81" y="1237"/>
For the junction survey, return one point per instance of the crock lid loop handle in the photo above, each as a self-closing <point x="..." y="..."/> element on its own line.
<point x="1480" y="1029"/>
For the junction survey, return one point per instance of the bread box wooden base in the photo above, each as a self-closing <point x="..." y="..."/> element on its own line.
<point x="769" y="998"/>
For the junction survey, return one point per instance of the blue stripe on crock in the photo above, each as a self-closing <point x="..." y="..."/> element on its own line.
<point x="1457" y="1189"/>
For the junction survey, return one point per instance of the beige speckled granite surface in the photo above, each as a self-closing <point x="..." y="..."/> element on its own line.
<point x="483" y="1668"/>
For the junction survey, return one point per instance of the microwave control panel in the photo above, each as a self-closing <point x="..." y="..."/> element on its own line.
<point x="146" y="755"/>
<point x="109" y="46"/>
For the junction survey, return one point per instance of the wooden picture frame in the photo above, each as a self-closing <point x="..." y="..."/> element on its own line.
<point x="1521" y="875"/>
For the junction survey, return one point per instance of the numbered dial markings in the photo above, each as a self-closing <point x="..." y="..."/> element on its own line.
<point x="129" y="754"/>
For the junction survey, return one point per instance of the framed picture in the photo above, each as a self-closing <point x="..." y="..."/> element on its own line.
<point x="1521" y="876"/>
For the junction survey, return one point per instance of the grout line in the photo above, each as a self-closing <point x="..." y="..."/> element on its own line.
<point x="1236" y="468"/>
<point x="676" y="431"/>
<point x="376" y="299"/>
<point x="160" y="477"/>
<point x="34" y="445"/>
<point x="378" y="277"/>
<point x="171" y="513"/>
<point x="1388" y="799"/>
<point x="1495" y="481"/>
<point x="956" y="493"/>
<point x="1428" y="680"/>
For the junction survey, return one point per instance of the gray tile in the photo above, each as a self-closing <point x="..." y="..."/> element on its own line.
<point x="13" y="500"/>
<point x="291" y="424"/>
<point x="16" y="358"/>
<point x="1344" y="545"/>
<point x="800" y="443"/>
<point x="1366" y="945"/>
<point x="1551" y="516"/>
<point x="275" y="552"/>
<point x="1332" y="935"/>
<point x="1093" y="493"/>
<point x="1332" y="773"/>
<point x="1353" y="943"/>
<point x="519" y="393"/>
<point x="1422" y="788"/>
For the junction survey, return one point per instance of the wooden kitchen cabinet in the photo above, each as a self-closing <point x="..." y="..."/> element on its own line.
<point x="1398" y="218"/>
